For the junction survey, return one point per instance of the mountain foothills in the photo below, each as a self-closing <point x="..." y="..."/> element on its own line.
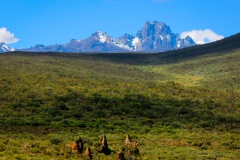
<point x="180" y="104"/>
<point x="154" y="37"/>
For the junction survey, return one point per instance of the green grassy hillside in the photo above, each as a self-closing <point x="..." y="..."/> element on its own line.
<point x="180" y="104"/>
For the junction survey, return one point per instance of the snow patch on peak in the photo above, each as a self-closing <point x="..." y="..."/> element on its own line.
<point x="168" y="37"/>
<point x="161" y="37"/>
<point x="136" y="41"/>
<point x="150" y="22"/>
<point x="178" y="44"/>
<point x="121" y="45"/>
<point x="75" y="40"/>
<point x="102" y="36"/>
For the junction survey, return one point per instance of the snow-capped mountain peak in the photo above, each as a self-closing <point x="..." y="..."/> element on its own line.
<point x="5" y="48"/>
<point x="125" y="42"/>
<point x="102" y="37"/>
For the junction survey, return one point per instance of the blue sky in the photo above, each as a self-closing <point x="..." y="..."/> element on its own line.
<point x="24" y="23"/>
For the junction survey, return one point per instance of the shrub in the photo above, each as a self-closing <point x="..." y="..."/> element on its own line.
<point x="34" y="150"/>
<point x="55" y="140"/>
<point x="176" y="124"/>
<point x="2" y="147"/>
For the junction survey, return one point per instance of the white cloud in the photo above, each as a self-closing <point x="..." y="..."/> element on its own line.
<point x="202" y="36"/>
<point x="7" y="37"/>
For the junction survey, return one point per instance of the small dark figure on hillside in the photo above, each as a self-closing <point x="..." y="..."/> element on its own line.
<point x="128" y="140"/>
<point x="104" y="147"/>
<point x="77" y="146"/>
<point x="135" y="149"/>
<point x="88" y="154"/>
<point x="103" y="140"/>
<point x="120" y="155"/>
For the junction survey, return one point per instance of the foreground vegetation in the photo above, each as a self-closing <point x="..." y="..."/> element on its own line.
<point x="178" y="105"/>
<point x="158" y="143"/>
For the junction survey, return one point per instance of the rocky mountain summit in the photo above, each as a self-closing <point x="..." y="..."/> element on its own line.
<point x="154" y="37"/>
<point x="157" y="36"/>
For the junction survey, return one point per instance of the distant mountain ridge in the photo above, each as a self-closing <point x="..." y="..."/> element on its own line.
<point x="153" y="37"/>
<point x="5" y="48"/>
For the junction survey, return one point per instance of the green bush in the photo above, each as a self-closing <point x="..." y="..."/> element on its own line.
<point x="55" y="140"/>
<point x="176" y="124"/>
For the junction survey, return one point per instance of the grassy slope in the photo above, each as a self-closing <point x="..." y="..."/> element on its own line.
<point x="174" y="96"/>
